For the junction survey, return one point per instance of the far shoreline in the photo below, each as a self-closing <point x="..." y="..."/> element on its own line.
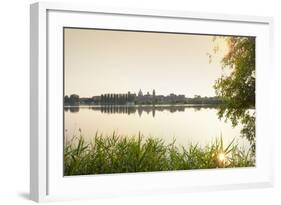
<point x="144" y="105"/>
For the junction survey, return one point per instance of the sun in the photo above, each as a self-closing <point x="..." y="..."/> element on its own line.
<point x="221" y="157"/>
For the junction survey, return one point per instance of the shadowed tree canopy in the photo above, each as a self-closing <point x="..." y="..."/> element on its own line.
<point x="237" y="89"/>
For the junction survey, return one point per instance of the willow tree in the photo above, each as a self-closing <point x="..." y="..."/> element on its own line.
<point x="237" y="88"/>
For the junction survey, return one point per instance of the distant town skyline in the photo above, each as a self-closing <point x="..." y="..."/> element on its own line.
<point x="140" y="98"/>
<point x="104" y="61"/>
<point x="150" y="92"/>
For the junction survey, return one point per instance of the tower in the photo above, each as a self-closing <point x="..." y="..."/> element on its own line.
<point x="140" y="93"/>
<point x="153" y="100"/>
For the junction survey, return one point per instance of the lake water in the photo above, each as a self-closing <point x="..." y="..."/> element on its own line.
<point x="186" y="124"/>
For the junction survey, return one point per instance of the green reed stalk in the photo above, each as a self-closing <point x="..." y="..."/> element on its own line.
<point x="122" y="154"/>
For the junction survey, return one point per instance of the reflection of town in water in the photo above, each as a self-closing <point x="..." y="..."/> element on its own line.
<point x="130" y="103"/>
<point x="138" y="109"/>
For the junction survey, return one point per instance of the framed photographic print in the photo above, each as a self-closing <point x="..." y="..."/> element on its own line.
<point x="127" y="102"/>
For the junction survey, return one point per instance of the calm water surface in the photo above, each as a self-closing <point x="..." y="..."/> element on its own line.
<point x="186" y="124"/>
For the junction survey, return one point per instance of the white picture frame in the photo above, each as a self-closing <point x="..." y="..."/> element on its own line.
<point x="47" y="182"/>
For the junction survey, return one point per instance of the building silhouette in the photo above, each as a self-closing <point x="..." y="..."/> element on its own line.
<point x="140" y="93"/>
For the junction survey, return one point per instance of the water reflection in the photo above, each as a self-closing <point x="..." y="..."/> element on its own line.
<point x="72" y="109"/>
<point x="185" y="123"/>
<point x="139" y="109"/>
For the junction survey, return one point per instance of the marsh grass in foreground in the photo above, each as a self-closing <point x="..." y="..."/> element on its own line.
<point x="121" y="154"/>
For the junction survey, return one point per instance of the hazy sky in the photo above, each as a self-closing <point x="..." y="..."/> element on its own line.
<point x="99" y="61"/>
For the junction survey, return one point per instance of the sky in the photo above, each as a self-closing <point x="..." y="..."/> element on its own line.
<point x="107" y="61"/>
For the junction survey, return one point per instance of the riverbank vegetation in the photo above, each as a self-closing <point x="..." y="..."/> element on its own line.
<point x="122" y="154"/>
<point x="237" y="90"/>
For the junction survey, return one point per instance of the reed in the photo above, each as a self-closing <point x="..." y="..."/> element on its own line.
<point x="122" y="154"/>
